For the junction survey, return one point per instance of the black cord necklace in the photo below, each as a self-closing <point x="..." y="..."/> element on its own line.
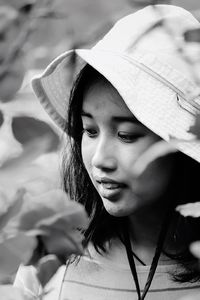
<point x="133" y="253"/>
<point x="156" y="257"/>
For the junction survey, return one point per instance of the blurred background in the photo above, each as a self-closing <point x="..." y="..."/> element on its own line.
<point x="32" y="33"/>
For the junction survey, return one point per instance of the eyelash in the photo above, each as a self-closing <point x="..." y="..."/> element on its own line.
<point x="125" y="137"/>
<point x="129" y="137"/>
<point x="90" y="132"/>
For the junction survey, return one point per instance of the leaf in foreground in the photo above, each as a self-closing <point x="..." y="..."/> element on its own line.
<point x="45" y="209"/>
<point x="12" y="209"/>
<point x="195" y="249"/>
<point x="195" y="129"/>
<point x="23" y="165"/>
<point x="154" y="151"/>
<point x="8" y="292"/>
<point x="189" y="209"/>
<point x="14" y="251"/>
<point x="46" y="268"/>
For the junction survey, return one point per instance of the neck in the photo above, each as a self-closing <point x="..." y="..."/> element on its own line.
<point x="145" y="226"/>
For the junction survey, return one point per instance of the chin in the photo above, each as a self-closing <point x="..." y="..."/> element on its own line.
<point x="118" y="212"/>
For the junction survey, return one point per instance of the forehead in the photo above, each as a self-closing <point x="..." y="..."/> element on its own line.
<point x="102" y="95"/>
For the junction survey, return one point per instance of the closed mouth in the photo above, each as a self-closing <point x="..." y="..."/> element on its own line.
<point x="109" y="188"/>
<point x="110" y="183"/>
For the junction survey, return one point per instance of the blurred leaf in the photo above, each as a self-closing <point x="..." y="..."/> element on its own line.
<point x="13" y="209"/>
<point x="56" y="221"/>
<point x="63" y="244"/>
<point x="27" y="7"/>
<point x="14" y="251"/>
<point x="41" y="207"/>
<point x="10" y="180"/>
<point x="27" y="128"/>
<point x="55" y="218"/>
<point x="141" y="3"/>
<point x="156" y="156"/>
<point x="11" y="80"/>
<point x="72" y="216"/>
<point x="155" y="151"/>
<point x="191" y="5"/>
<point x="195" y="249"/>
<point x="7" y="16"/>
<point x="9" y="292"/>
<point x="192" y="35"/>
<point x="4" y="204"/>
<point x="31" y="151"/>
<point x="47" y="267"/>
<point x="15" y="3"/>
<point x="47" y="13"/>
<point x="189" y="210"/>
<point x="41" y="185"/>
<point x="195" y="129"/>
<point x="67" y="239"/>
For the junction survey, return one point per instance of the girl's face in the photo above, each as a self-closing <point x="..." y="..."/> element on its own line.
<point x="113" y="140"/>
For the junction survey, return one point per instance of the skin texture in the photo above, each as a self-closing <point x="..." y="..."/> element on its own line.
<point x="112" y="142"/>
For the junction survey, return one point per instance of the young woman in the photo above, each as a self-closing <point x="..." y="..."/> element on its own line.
<point x="134" y="97"/>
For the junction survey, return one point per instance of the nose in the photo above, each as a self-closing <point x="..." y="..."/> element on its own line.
<point x="104" y="155"/>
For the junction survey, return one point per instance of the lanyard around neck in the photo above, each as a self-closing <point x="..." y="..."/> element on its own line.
<point x="156" y="257"/>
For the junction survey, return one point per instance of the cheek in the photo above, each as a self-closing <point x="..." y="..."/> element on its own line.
<point x="126" y="161"/>
<point x="86" y="155"/>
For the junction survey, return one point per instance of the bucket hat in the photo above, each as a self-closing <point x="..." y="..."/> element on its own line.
<point x="140" y="59"/>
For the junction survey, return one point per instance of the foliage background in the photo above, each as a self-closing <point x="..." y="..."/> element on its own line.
<point x="30" y="144"/>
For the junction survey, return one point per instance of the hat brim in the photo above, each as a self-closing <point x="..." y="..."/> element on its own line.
<point x="151" y="101"/>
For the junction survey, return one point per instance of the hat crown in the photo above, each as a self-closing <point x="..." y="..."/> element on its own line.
<point x="125" y="34"/>
<point x="139" y="35"/>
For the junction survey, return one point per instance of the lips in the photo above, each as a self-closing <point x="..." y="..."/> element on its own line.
<point x="110" y="185"/>
<point x="109" y="188"/>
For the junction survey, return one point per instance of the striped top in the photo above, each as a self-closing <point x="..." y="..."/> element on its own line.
<point x="89" y="280"/>
<point x="97" y="277"/>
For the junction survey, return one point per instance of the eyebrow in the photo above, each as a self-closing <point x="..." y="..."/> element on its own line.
<point x="117" y="119"/>
<point x="125" y="119"/>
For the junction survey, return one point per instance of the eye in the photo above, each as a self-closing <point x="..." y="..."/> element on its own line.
<point x="90" y="132"/>
<point x="129" y="137"/>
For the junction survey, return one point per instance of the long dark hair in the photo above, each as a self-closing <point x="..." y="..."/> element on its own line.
<point x="103" y="227"/>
